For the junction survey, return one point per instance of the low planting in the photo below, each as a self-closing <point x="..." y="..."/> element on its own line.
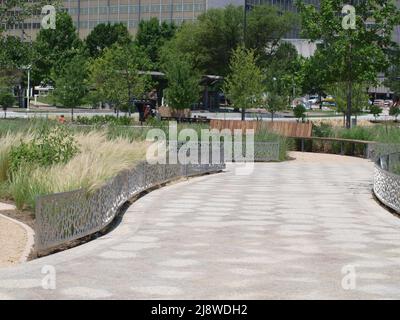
<point x="379" y="132"/>
<point x="58" y="160"/>
<point x="104" y="120"/>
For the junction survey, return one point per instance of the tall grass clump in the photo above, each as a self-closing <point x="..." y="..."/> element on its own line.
<point x="285" y="144"/>
<point x="56" y="159"/>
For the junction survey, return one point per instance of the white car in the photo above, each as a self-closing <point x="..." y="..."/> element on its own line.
<point x="313" y="100"/>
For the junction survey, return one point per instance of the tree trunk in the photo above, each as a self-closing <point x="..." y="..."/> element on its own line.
<point x="272" y="116"/>
<point x="72" y="114"/>
<point x="243" y="114"/>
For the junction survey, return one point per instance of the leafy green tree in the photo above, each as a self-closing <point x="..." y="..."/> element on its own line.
<point x="266" y="26"/>
<point x="359" y="97"/>
<point x="54" y="48"/>
<point x="351" y="55"/>
<point x="71" y="83"/>
<point x="392" y="77"/>
<point x="244" y="85"/>
<point x="118" y="76"/>
<point x="273" y="103"/>
<point x="152" y="35"/>
<point x="104" y="36"/>
<point x="183" y="82"/>
<point x="14" y="54"/>
<point x="314" y="76"/>
<point x="299" y="112"/>
<point x="211" y="39"/>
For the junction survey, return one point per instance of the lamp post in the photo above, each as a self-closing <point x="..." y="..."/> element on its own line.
<point x="28" y="68"/>
<point x="28" y="90"/>
<point x="247" y="6"/>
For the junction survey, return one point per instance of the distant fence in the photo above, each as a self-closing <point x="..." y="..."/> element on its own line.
<point x="284" y="128"/>
<point x="386" y="181"/>
<point x="361" y="148"/>
<point x="68" y="216"/>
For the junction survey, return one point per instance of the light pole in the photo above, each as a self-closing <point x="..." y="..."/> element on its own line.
<point x="28" y="68"/>
<point x="247" y="6"/>
<point x="28" y="90"/>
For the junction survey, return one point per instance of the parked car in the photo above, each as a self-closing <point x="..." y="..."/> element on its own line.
<point x="379" y="102"/>
<point x="313" y="100"/>
<point x="388" y="103"/>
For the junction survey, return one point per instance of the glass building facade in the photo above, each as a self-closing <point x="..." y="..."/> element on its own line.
<point x="87" y="14"/>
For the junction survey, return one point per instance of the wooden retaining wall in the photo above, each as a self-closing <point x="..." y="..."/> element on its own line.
<point x="284" y="128"/>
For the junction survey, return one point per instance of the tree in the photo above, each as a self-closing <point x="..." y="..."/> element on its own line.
<point x="266" y="26"/>
<point x="244" y="84"/>
<point x="211" y="39"/>
<point x="118" y="76"/>
<point x="183" y="82"/>
<point x="394" y="111"/>
<point x="54" y="48"/>
<point x="71" y="83"/>
<point x="299" y="112"/>
<point x="152" y="35"/>
<point x="392" y="77"/>
<point x="375" y="110"/>
<point x="104" y="36"/>
<point x="351" y="55"/>
<point x="359" y="98"/>
<point x="274" y="103"/>
<point x="6" y="101"/>
<point x="314" y="76"/>
<point x="14" y="54"/>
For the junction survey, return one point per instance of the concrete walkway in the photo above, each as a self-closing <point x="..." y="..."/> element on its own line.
<point x="307" y="228"/>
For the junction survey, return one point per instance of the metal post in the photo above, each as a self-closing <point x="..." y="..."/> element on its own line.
<point x="28" y="93"/>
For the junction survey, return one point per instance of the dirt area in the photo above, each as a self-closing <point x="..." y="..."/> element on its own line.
<point x="13" y="236"/>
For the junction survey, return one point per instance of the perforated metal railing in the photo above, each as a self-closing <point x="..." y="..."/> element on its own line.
<point x="387" y="181"/>
<point x="68" y="216"/>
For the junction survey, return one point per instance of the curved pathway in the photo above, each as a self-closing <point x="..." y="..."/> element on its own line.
<point x="307" y="228"/>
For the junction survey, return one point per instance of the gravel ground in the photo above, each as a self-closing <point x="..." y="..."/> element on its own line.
<point x="13" y="239"/>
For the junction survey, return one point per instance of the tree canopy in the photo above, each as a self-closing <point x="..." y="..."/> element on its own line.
<point x="351" y="55"/>
<point x="104" y="36"/>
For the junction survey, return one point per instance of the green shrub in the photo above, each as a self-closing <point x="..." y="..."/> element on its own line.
<point x="322" y="130"/>
<point x="103" y="120"/>
<point x="6" y="100"/>
<point x="299" y="112"/>
<point x="50" y="146"/>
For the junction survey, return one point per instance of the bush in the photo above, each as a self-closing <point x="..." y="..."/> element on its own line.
<point x="322" y="130"/>
<point x="299" y="112"/>
<point x="6" y="100"/>
<point x="375" y="110"/>
<point x="102" y="120"/>
<point x="394" y="111"/>
<point x="51" y="146"/>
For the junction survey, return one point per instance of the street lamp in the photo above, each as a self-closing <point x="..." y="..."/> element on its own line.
<point x="28" y="68"/>
<point x="28" y="91"/>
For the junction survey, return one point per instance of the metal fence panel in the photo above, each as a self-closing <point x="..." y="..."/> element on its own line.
<point x="386" y="182"/>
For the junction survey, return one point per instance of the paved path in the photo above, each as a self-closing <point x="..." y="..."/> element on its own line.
<point x="289" y="230"/>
